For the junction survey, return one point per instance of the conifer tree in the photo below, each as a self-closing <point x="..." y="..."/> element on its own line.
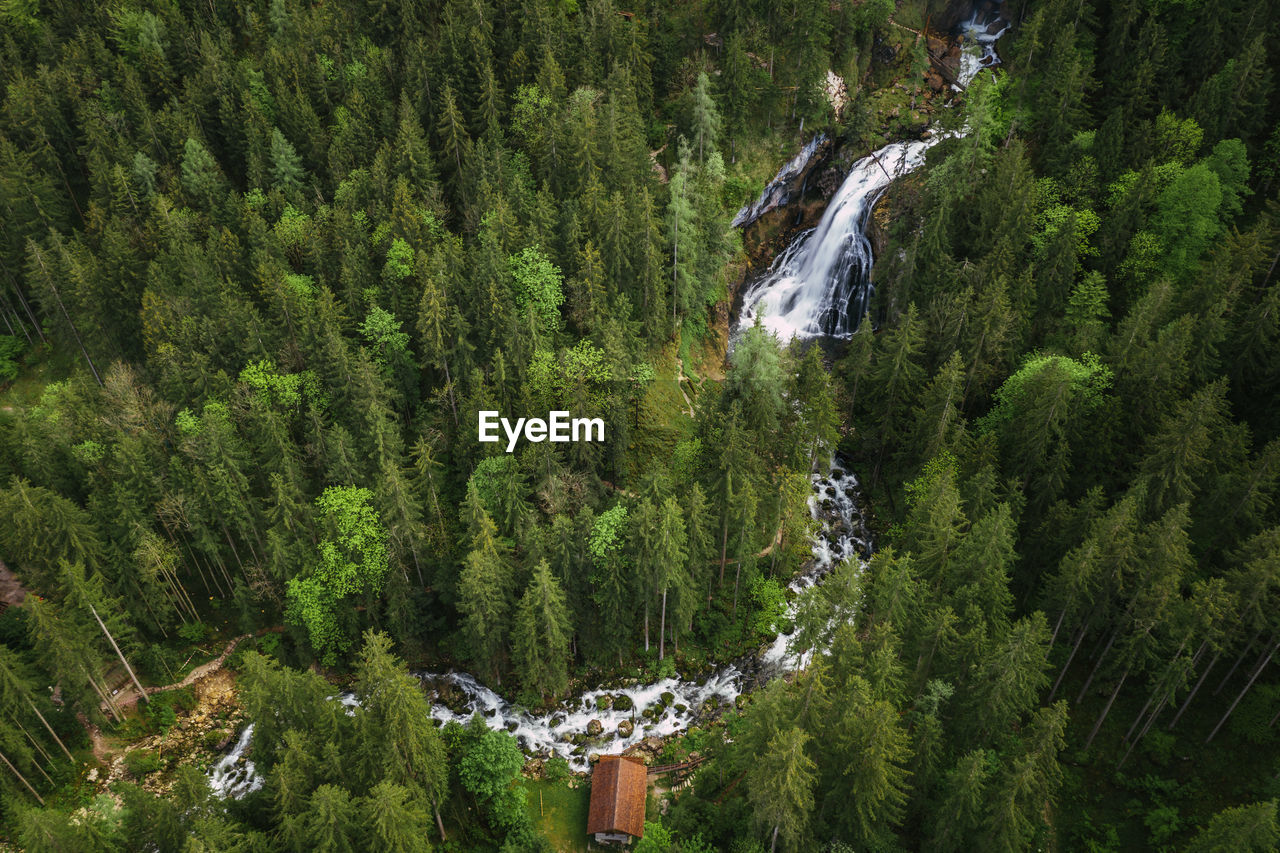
<point x="540" y="634"/>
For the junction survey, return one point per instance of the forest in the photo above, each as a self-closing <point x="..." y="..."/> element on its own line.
<point x="265" y="262"/>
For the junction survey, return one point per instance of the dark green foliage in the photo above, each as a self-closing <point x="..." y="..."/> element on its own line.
<point x="294" y="249"/>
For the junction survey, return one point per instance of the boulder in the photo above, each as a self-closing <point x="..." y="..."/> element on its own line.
<point x="622" y="702"/>
<point x="667" y="698"/>
<point x="626" y="728"/>
<point x="595" y="728"/>
<point x="604" y="702"/>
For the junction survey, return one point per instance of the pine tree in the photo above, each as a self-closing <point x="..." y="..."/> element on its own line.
<point x="330" y="823"/>
<point x="962" y="804"/>
<point x="394" y="822"/>
<point x="780" y="788"/>
<point x="286" y="165"/>
<point x="540" y="635"/>
<point x="398" y="739"/>
<point x="1247" y="829"/>
<point x="485" y="595"/>
<point x="705" y="117"/>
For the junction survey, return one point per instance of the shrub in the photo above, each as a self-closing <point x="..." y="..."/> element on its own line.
<point x="140" y="762"/>
<point x="10" y="350"/>
<point x="556" y="768"/>
<point x="193" y="632"/>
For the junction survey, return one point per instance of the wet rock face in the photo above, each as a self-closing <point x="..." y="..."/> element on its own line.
<point x="792" y="201"/>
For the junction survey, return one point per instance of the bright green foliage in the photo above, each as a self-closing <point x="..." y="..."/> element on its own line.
<point x="780" y="787"/>
<point x="1248" y="829"/>
<point x="351" y="563"/>
<point x="382" y="330"/>
<point x="281" y="389"/>
<point x="575" y="380"/>
<point x="537" y="286"/>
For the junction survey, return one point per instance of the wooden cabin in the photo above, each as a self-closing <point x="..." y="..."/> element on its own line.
<point x="619" y="789"/>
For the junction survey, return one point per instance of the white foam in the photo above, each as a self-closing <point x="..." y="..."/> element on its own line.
<point x="232" y="778"/>
<point x="821" y="284"/>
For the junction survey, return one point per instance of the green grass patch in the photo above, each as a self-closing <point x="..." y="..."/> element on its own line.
<point x="560" y="812"/>
<point x="39" y="368"/>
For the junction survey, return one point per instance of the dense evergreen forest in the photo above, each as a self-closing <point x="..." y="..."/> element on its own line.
<point x="265" y="262"/>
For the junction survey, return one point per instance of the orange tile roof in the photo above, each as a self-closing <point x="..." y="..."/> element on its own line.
<point x="618" y="792"/>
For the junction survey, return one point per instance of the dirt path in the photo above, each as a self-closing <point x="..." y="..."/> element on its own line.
<point x="11" y="591"/>
<point x="129" y="698"/>
<point x="680" y="380"/>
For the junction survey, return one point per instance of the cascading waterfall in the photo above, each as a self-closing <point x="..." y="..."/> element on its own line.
<point x="821" y="284"/>
<point x="982" y="29"/>
<point x="235" y="775"/>
<point x="656" y="709"/>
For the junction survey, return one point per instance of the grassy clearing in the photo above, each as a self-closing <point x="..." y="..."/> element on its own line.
<point x="560" y="812"/>
<point x="40" y="367"/>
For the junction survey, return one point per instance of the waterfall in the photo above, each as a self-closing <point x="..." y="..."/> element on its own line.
<point x="234" y="775"/>
<point x="821" y="284"/>
<point x="982" y="30"/>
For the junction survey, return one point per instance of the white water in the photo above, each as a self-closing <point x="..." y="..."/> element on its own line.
<point x="821" y="284"/>
<point x="842" y="534"/>
<point x="232" y="777"/>
<point x="980" y="33"/>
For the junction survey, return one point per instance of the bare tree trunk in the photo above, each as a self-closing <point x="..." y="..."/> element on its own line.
<point x="1194" y="691"/>
<point x="74" y="331"/>
<point x="435" y="807"/>
<point x="724" y="549"/>
<point x="1089" y="681"/>
<point x="448" y="384"/>
<point x="142" y="693"/>
<point x="52" y="733"/>
<point x="1107" y="710"/>
<point x="112" y="707"/>
<point x="40" y="749"/>
<point x="1239" y="661"/>
<point x="22" y="779"/>
<point x="662" y="629"/>
<point x="646" y="623"/>
<point x="1256" y="672"/>
<point x="1075" y="647"/>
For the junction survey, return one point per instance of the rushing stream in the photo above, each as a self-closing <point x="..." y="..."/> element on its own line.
<point x="655" y="709"/>
<point x="819" y="286"/>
